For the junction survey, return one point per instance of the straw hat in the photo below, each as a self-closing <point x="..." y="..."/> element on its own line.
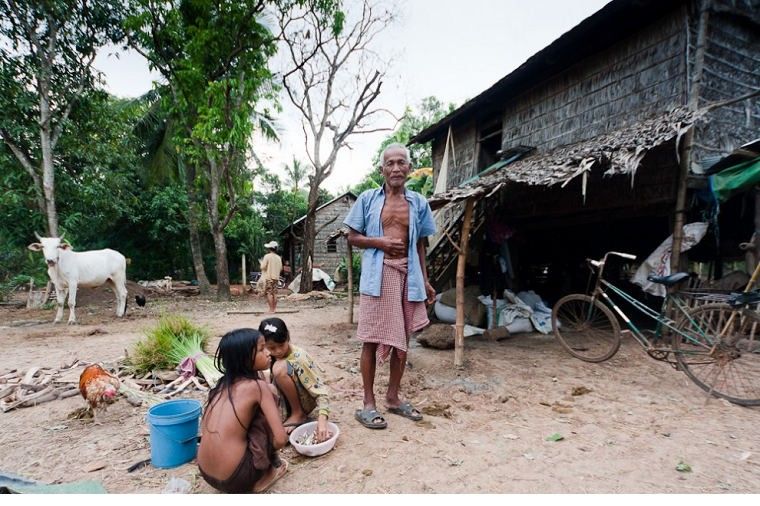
<point x="271" y="245"/>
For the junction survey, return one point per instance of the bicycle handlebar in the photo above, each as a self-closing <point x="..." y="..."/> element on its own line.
<point x="600" y="263"/>
<point x="623" y="255"/>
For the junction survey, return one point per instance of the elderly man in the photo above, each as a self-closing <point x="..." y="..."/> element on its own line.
<point x="390" y="224"/>
<point x="271" y="265"/>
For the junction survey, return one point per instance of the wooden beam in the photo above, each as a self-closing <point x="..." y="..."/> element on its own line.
<point x="461" y="262"/>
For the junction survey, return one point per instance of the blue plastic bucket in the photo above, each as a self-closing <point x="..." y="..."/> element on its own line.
<point x="174" y="432"/>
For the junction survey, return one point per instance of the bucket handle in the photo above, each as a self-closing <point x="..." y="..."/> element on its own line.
<point x="180" y="441"/>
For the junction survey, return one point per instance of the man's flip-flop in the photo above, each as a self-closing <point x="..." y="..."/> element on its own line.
<point x="407" y="411"/>
<point x="370" y="418"/>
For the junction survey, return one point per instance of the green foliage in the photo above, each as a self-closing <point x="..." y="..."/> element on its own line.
<point x="356" y="261"/>
<point x="430" y="111"/>
<point x="159" y="348"/>
<point x="421" y="181"/>
<point x="7" y="288"/>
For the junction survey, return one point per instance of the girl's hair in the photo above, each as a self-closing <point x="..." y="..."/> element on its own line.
<point x="234" y="356"/>
<point x="274" y="329"/>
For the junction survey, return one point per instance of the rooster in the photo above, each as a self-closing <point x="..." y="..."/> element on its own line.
<point x="98" y="387"/>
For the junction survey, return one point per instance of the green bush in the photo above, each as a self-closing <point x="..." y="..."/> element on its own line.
<point x="356" y="268"/>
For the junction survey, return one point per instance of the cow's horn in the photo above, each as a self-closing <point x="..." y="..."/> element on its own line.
<point x="37" y="236"/>
<point x="61" y="238"/>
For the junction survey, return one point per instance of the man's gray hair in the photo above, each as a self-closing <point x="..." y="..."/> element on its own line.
<point x="395" y="145"/>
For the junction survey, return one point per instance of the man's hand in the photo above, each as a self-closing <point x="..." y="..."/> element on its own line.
<point x="430" y="291"/>
<point x="392" y="246"/>
<point x="322" y="434"/>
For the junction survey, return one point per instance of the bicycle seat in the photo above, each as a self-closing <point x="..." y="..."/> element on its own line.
<point x="671" y="280"/>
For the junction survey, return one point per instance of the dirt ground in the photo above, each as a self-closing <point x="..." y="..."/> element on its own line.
<point x="637" y="420"/>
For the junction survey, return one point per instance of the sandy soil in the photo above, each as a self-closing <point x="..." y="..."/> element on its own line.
<point x="639" y="419"/>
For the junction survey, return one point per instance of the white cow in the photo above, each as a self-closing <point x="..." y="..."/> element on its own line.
<point x="70" y="269"/>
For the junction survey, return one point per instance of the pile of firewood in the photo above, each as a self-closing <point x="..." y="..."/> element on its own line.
<point x="20" y="389"/>
<point x="36" y="385"/>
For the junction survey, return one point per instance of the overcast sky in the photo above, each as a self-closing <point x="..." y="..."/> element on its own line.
<point x="451" y="49"/>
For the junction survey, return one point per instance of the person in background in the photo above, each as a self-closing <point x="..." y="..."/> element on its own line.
<point x="271" y="266"/>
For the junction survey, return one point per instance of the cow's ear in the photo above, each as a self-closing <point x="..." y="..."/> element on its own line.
<point x="64" y="245"/>
<point x="35" y="246"/>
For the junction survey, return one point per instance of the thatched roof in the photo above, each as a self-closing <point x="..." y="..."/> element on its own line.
<point x="616" y="152"/>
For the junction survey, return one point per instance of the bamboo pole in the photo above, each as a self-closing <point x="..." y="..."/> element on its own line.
<point x="350" y="272"/>
<point x="461" y="262"/>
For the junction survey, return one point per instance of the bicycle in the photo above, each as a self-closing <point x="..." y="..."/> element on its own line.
<point x="716" y="345"/>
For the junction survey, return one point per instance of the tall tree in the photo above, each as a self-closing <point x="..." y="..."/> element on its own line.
<point x="333" y="80"/>
<point x="46" y="54"/>
<point x="214" y="56"/>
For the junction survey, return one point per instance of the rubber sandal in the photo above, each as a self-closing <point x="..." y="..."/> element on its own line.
<point x="370" y="418"/>
<point x="406" y="410"/>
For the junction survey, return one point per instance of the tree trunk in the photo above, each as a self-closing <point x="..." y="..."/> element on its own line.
<point x="222" y="271"/>
<point x="217" y="231"/>
<point x="46" y="145"/>
<point x="309" y="231"/>
<point x="195" y="241"/>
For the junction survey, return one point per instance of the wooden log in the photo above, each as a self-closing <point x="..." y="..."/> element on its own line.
<point x="350" y="273"/>
<point x="279" y="311"/>
<point x="461" y="262"/>
<point x="29" y="400"/>
<point x="68" y="393"/>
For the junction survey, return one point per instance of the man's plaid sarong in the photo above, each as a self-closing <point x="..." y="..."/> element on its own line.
<point x="389" y="320"/>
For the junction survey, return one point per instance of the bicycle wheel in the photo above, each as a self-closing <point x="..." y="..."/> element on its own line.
<point x="586" y="328"/>
<point x="726" y="365"/>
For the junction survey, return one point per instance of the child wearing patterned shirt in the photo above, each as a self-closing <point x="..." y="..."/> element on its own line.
<point x="298" y="379"/>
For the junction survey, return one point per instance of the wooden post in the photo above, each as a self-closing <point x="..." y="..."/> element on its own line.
<point x="350" y="273"/>
<point x="494" y="295"/>
<point x="245" y="277"/>
<point x="31" y="293"/>
<point x="461" y="262"/>
<point x="688" y="139"/>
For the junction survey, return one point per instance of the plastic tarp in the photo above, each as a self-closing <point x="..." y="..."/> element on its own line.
<point x="316" y="275"/>
<point x="728" y="181"/>
<point x="658" y="263"/>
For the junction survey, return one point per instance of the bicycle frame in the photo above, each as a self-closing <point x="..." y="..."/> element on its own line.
<point x="660" y="317"/>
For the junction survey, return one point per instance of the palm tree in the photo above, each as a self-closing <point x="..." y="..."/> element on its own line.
<point x="163" y="163"/>
<point x="296" y="172"/>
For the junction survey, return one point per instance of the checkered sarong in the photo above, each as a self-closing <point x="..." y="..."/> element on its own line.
<point x="389" y="320"/>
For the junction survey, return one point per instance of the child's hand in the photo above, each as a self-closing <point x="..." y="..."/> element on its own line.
<point x="322" y="434"/>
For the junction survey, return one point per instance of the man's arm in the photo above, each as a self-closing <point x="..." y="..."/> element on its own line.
<point x="421" y="252"/>
<point x="388" y="244"/>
